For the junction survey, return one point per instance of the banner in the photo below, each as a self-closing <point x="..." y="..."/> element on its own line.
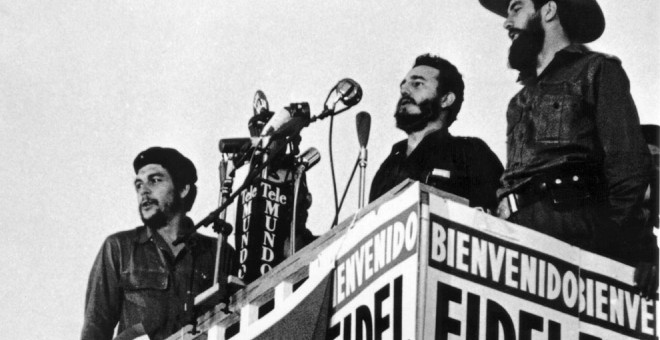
<point x="375" y="281"/>
<point x="484" y="287"/>
<point x="263" y="223"/>
<point x="422" y="266"/>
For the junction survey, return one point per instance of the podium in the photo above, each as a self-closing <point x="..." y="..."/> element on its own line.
<point x="420" y="264"/>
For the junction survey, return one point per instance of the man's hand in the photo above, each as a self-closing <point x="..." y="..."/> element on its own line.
<point x="646" y="279"/>
<point x="503" y="210"/>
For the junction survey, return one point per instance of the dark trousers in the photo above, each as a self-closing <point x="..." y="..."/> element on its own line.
<point x="585" y="226"/>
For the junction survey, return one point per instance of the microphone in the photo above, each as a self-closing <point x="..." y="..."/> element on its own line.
<point x="287" y="122"/>
<point x="347" y="91"/>
<point x="308" y="159"/>
<point x="239" y="149"/>
<point x="350" y="92"/>
<point x="234" y="145"/>
<point x="259" y="103"/>
<point x="261" y="116"/>
<point x="363" y="123"/>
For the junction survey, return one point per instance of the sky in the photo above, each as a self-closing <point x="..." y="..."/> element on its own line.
<point x="86" y="85"/>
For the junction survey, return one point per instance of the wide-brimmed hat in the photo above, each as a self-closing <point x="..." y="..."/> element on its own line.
<point x="585" y="23"/>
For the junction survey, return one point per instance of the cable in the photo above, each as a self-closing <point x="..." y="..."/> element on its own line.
<point x="348" y="185"/>
<point x="332" y="163"/>
<point x="332" y="166"/>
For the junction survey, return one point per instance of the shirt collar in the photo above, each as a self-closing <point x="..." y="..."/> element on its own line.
<point x="401" y="147"/>
<point x="562" y="57"/>
<point x="144" y="233"/>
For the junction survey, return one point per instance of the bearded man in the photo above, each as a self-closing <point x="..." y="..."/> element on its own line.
<point x="577" y="164"/>
<point x="431" y="97"/>
<point x="140" y="279"/>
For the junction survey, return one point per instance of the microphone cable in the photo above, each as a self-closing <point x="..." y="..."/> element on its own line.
<point x="332" y="163"/>
<point x="343" y="196"/>
<point x="332" y="168"/>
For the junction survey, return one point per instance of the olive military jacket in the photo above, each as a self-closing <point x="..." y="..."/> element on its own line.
<point x="136" y="279"/>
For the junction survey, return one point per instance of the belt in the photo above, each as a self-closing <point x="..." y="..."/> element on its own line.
<point x="517" y="201"/>
<point x="566" y="190"/>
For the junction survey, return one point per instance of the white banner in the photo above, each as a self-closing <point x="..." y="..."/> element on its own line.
<point x="375" y="286"/>
<point x="480" y="286"/>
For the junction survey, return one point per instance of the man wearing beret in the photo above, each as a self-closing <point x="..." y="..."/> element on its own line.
<point x="577" y="165"/>
<point x="139" y="279"/>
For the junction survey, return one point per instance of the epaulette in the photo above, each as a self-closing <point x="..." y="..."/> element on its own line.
<point x="607" y="56"/>
<point x="612" y="57"/>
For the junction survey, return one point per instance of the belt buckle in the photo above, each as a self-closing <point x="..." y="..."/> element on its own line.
<point x="512" y="200"/>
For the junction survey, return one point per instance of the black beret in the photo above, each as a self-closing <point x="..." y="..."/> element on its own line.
<point x="180" y="168"/>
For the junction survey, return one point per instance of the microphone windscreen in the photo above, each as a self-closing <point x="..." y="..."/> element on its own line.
<point x="288" y="121"/>
<point x="363" y="123"/>
<point x="234" y="145"/>
<point x="276" y="122"/>
<point x="349" y="91"/>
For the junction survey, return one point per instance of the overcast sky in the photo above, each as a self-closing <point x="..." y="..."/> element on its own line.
<point x="86" y="85"/>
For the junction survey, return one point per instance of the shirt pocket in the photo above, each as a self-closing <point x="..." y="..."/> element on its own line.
<point x="146" y="298"/>
<point x="144" y="287"/>
<point x="139" y="279"/>
<point x="556" y="111"/>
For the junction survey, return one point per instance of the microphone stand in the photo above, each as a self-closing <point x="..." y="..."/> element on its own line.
<point x="189" y="305"/>
<point x="362" y="177"/>
<point x="343" y="196"/>
<point x="226" y="171"/>
<point x="294" y="220"/>
<point x="213" y="215"/>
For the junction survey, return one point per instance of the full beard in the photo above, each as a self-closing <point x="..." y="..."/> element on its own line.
<point x="155" y="221"/>
<point x="160" y="218"/>
<point x="409" y="123"/>
<point x="524" y="51"/>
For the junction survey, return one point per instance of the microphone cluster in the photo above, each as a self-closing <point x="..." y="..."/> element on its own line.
<point x="270" y="132"/>
<point x="266" y="126"/>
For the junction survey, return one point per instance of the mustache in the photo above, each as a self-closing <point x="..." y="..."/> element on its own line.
<point x="147" y="201"/>
<point x="405" y="99"/>
<point x="513" y="31"/>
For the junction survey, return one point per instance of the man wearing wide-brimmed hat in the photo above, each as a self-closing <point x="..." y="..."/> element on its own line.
<point x="577" y="163"/>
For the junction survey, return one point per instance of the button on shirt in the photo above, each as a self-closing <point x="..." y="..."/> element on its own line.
<point x="467" y="166"/>
<point x="579" y="114"/>
<point x="137" y="279"/>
